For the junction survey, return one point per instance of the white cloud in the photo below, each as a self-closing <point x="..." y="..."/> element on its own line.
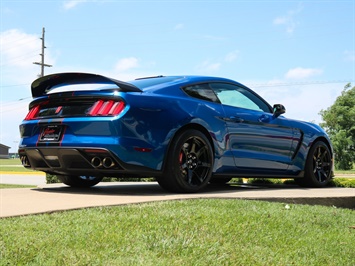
<point x="231" y="57"/>
<point x="213" y="37"/>
<point x="19" y="48"/>
<point x="179" y="26"/>
<point x="18" y="52"/>
<point x="302" y="102"/>
<point x="207" y="67"/>
<point x="72" y="3"/>
<point x="349" y="55"/>
<point x="289" y="20"/>
<point x="301" y="73"/>
<point x="125" y="64"/>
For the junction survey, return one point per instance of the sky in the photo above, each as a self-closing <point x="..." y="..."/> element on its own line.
<point x="297" y="53"/>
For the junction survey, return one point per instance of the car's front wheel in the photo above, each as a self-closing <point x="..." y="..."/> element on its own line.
<point x="189" y="163"/>
<point x="79" y="181"/>
<point x="318" y="168"/>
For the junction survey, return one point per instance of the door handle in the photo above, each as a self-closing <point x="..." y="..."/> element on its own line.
<point x="236" y="119"/>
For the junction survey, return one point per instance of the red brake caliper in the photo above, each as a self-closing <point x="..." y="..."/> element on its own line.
<point x="180" y="157"/>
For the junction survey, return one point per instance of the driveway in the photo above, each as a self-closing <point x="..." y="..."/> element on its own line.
<point x="58" y="197"/>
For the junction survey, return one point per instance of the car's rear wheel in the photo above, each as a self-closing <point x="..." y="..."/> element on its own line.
<point x="318" y="166"/>
<point x="189" y="163"/>
<point x="79" y="181"/>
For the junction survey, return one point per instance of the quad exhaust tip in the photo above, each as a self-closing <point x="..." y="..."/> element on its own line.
<point x="25" y="161"/>
<point x="107" y="162"/>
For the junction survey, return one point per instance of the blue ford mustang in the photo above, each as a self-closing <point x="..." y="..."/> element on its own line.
<point x="186" y="131"/>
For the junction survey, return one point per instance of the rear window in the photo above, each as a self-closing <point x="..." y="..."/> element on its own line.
<point x="202" y="91"/>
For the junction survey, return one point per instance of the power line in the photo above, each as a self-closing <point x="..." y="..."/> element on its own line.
<point x="256" y="85"/>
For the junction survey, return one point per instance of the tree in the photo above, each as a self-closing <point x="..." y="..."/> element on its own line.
<point x="339" y="122"/>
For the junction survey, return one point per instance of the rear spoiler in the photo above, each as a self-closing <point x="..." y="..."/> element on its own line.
<point x="43" y="85"/>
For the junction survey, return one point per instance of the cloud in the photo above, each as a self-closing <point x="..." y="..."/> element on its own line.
<point x="299" y="99"/>
<point x="18" y="52"/>
<point x="349" y="55"/>
<point x="231" y="57"/>
<point x="125" y="64"/>
<point x="72" y="3"/>
<point x="179" y="26"/>
<point x="207" y="66"/>
<point x="289" y="20"/>
<point x="301" y="73"/>
<point x="18" y="48"/>
<point x="209" y="37"/>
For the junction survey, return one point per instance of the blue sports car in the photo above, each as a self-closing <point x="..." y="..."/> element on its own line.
<point x="186" y="131"/>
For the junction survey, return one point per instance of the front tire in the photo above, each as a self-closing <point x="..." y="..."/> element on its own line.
<point x="318" y="168"/>
<point x="79" y="181"/>
<point x="189" y="163"/>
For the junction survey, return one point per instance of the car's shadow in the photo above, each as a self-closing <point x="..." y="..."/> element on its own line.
<point x="151" y="189"/>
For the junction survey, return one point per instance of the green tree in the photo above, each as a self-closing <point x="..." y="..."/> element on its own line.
<point x="339" y="122"/>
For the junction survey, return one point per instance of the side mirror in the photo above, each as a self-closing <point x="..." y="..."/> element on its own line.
<point x="279" y="109"/>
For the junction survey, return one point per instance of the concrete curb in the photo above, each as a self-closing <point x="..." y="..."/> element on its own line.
<point x="58" y="197"/>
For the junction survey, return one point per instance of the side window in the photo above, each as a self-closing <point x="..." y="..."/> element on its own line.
<point x="240" y="97"/>
<point x="201" y="91"/>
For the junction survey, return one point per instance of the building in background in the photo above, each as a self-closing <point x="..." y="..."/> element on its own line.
<point x="4" y="151"/>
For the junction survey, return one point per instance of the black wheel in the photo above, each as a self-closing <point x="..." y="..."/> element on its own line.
<point x="189" y="163"/>
<point x="318" y="166"/>
<point x="79" y="181"/>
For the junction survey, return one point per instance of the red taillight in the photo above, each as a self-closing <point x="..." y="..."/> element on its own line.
<point x="106" y="108"/>
<point x="33" y="113"/>
<point x="96" y="107"/>
<point x="117" y="108"/>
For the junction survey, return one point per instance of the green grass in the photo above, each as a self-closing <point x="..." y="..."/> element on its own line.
<point x="13" y="166"/>
<point x="15" y="186"/>
<point x="343" y="182"/>
<point x="189" y="232"/>
<point x="10" y="162"/>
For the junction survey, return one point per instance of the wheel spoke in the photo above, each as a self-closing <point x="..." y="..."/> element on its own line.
<point x="324" y="174"/>
<point x="322" y="157"/>
<point x="201" y="178"/>
<point x="183" y="166"/>
<point x="193" y="146"/>
<point x="319" y="176"/>
<point x="204" y="164"/>
<point x="190" y="174"/>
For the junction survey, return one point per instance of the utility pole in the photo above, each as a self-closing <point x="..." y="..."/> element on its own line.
<point x="42" y="64"/>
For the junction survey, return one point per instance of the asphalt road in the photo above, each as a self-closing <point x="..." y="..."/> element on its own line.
<point x="58" y="197"/>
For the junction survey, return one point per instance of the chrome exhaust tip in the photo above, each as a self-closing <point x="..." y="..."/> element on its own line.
<point x="108" y="162"/>
<point x="96" y="162"/>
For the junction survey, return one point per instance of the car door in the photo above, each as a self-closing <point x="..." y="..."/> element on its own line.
<point x="258" y="140"/>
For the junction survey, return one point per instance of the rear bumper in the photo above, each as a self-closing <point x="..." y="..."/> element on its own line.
<point x="80" y="161"/>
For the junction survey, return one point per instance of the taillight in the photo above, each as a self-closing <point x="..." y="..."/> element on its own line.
<point x="33" y="113"/>
<point x="106" y="108"/>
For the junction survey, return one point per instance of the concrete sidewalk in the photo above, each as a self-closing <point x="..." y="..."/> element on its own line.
<point x="58" y="197"/>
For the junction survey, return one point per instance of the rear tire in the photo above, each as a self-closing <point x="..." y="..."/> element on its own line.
<point x="189" y="163"/>
<point x="318" y="168"/>
<point x="79" y="181"/>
